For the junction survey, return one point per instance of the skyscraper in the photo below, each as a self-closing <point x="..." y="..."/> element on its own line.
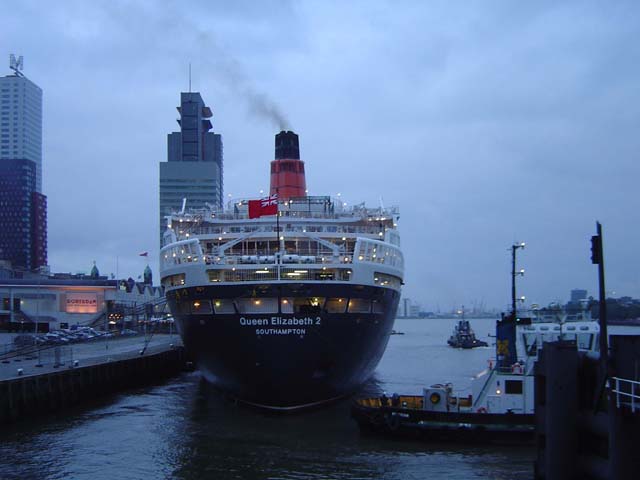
<point x="23" y="207"/>
<point x="194" y="167"/>
<point x="21" y="119"/>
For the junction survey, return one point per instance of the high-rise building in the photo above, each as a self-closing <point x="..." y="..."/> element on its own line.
<point x="21" y="120"/>
<point x="194" y="167"/>
<point x="23" y="207"/>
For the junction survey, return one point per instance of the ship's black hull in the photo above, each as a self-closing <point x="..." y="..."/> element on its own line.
<point x="286" y="360"/>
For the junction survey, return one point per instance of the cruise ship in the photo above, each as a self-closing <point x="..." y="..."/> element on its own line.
<point x="285" y="302"/>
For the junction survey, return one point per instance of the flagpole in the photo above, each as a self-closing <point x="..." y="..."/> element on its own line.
<point x="278" y="231"/>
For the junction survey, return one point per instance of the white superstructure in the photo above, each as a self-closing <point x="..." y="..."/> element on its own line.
<point x="314" y="239"/>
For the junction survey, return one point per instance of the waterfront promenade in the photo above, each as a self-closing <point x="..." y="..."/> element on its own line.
<point x="88" y="353"/>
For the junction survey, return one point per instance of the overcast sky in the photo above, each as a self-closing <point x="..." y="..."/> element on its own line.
<point x="486" y="122"/>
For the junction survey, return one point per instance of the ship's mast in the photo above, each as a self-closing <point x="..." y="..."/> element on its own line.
<point x="514" y="248"/>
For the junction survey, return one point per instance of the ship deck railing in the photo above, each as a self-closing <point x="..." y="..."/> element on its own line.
<point x="305" y="258"/>
<point x="627" y="393"/>
<point x="294" y="210"/>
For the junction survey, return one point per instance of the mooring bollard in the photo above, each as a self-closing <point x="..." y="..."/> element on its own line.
<point x="19" y="372"/>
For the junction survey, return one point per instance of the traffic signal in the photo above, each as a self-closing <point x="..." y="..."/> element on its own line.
<point x="596" y="249"/>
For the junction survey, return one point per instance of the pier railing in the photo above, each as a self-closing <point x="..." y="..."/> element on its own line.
<point x="627" y="393"/>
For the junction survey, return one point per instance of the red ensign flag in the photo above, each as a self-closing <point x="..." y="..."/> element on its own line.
<point x="264" y="206"/>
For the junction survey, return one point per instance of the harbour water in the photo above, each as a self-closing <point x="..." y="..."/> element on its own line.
<point x="186" y="430"/>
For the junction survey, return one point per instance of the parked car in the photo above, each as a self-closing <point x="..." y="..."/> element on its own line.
<point x="24" y="340"/>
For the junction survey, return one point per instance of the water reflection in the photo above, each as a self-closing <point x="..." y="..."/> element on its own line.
<point x="187" y="430"/>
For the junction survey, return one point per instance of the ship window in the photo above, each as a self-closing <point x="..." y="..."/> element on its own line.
<point x="308" y="305"/>
<point x="224" y="306"/>
<point x="173" y="280"/>
<point x="324" y="275"/>
<point x="215" y="275"/>
<point x="201" y="307"/>
<point x="359" y="305"/>
<point x="378" y="306"/>
<point x="286" y="305"/>
<point x="385" y="280"/>
<point x="335" y="305"/>
<point x="257" y="305"/>
<point x="513" y="387"/>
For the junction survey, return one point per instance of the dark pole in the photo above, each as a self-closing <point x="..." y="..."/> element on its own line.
<point x="513" y="281"/>
<point x="278" y="234"/>
<point x="277" y="219"/>
<point x="598" y="257"/>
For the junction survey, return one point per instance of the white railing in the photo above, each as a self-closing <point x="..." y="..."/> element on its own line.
<point x="627" y="393"/>
<point x="286" y="258"/>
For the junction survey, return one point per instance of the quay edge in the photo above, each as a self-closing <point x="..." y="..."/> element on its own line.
<point x="35" y="395"/>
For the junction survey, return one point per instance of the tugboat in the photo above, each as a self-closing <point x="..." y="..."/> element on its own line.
<point x="464" y="337"/>
<point x="500" y="408"/>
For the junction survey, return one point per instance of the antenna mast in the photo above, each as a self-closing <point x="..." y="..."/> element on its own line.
<point x="16" y="64"/>
<point x="189" y="77"/>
